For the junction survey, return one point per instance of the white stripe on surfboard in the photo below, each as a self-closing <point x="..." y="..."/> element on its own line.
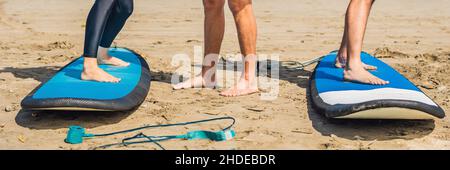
<point x="360" y="96"/>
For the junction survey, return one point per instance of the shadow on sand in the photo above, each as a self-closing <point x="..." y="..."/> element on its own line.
<point x="62" y="119"/>
<point x="40" y="74"/>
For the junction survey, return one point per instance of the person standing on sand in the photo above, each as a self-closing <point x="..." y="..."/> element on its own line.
<point x="105" y="20"/>
<point x="214" y="31"/>
<point x="349" y="55"/>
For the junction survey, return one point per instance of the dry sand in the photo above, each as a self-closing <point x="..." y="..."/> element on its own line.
<point x="38" y="37"/>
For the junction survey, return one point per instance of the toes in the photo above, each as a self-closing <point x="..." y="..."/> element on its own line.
<point x="379" y="82"/>
<point x="229" y="93"/>
<point x="124" y="64"/>
<point x="226" y="94"/>
<point x="115" y="62"/>
<point x="237" y="92"/>
<point x="176" y="87"/>
<point x="115" y="80"/>
<point x="179" y="86"/>
<point x="112" y="79"/>
<point x="375" y="82"/>
<point x="192" y="83"/>
<point x="369" y="67"/>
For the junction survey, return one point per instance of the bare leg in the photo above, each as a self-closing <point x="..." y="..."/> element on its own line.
<point x="357" y="16"/>
<point x="214" y="32"/>
<point x="341" y="58"/>
<point x="247" y="31"/>
<point x="92" y="72"/>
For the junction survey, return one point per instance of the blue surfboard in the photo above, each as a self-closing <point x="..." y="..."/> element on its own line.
<point x="340" y="99"/>
<point x="66" y="91"/>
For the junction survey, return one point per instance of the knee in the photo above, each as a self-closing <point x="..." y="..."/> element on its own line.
<point x="111" y="2"/>
<point x="369" y="2"/>
<point x="213" y="5"/>
<point x="238" y="5"/>
<point x="127" y="9"/>
<point x="365" y="2"/>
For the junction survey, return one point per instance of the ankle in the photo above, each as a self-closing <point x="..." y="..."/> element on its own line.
<point x="208" y="73"/>
<point x="90" y="62"/>
<point x="90" y="68"/>
<point x="207" y="81"/>
<point x="103" y="53"/>
<point x="248" y="78"/>
<point x="342" y="57"/>
<point x="354" y="64"/>
<point x="104" y="56"/>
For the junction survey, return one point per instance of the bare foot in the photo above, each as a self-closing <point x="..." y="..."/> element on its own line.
<point x="369" y="67"/>
<point x="99" y="75"/>
<point x="243" y="87"/>
<point x="196" y="82"/>
<point x="340" y="63"/>
<point x="113" y="61"/>
<point x="361" y="75"/>
<point x="105" y="58"/>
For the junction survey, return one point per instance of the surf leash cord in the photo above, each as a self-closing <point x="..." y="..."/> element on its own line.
<point x="76" y="134"/>
<point x="295" y="65"/>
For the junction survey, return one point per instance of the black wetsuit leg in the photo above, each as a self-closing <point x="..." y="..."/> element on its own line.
<point x="105" y="20"/>
<point x="121" y="11"/>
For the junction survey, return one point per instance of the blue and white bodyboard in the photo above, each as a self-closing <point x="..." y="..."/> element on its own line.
<point x="340" y="99"/>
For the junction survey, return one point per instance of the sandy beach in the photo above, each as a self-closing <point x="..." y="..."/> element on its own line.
<point x="39" y="37"/>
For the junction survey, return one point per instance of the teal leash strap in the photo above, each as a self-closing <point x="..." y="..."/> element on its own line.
<point x="193" y="135"/>
<point x="76" y="134"/>
<point x="214" y="136"/>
